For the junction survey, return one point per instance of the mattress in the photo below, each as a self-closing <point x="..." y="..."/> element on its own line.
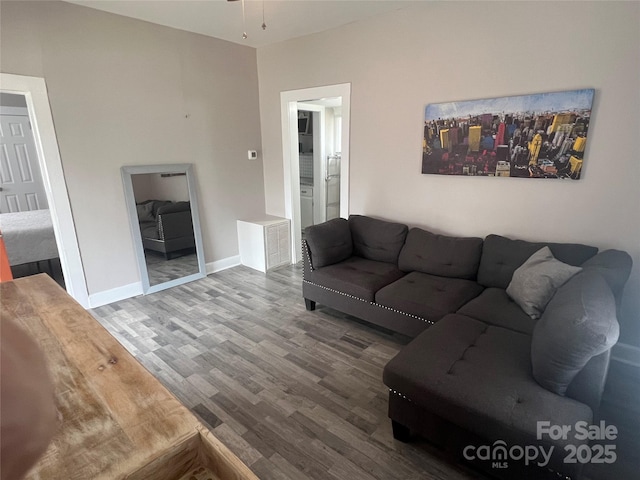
<point x="28" y="236"/>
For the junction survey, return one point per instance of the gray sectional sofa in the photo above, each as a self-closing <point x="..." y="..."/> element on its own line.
<point x="506" y="333"/>
<point x="166" y="226"/>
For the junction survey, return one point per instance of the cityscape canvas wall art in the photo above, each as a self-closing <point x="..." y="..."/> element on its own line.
<point x="532" y="136"/>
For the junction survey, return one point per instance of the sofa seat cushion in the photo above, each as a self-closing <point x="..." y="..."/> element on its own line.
<point x="149" y="229"/>
<point x="357" y="276"/>
<point x="478" y="377"/>
<point x="495" y="307"/>
<point x="427" y="296"/>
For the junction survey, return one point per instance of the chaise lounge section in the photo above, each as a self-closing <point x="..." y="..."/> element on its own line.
<point x="506" y="333"/>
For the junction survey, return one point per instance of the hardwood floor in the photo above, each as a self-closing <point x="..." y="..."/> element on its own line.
<point x="296" y="395"/>
<point x="299" y="395"/>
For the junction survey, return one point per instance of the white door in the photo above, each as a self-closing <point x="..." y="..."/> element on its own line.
<point x="20" y="177"/>
<point x="333" y="186"/>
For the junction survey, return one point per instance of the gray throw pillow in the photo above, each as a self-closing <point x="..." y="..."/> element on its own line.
<point x="579" y="323"/>
<point x="536" y="280"/>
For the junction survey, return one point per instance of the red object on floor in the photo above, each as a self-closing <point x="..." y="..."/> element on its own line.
<point x="5" y="268"/>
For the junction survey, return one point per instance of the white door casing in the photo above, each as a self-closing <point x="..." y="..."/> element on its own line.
<point x="20" y="177"/>
<point x="34" y="90"/>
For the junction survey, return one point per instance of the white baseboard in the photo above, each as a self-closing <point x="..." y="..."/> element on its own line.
<point x="223" y="264"/>
<point x="134" y="289"/>
<point x="625" y="353"/>
<point x="115" y="294"/>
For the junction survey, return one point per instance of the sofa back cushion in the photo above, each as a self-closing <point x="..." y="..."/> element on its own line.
<point x="578" y="324"/>
<point x="377" y="239"/>
<point x="501" y="257"/>
<point x="329" y="242"/>
<point x="456" y="257"/>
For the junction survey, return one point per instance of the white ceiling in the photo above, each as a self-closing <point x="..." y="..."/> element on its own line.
<point x="285" y="19"/>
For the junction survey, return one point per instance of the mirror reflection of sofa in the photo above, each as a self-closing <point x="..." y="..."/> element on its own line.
<point x="166" y="227"/>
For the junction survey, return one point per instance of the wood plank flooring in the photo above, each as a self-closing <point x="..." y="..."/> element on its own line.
<point x="296" y="395"/>
<point x="299" y="395"/>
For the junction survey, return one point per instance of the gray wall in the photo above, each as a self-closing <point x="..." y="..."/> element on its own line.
<point x="126" y="92"/>
<point x="153" y="186"/>
<point x="445" y="51"/>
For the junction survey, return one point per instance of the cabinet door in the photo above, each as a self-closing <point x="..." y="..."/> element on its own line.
<point x="277" y="244"/>
<point x="284" y="242"/>
<point x="272" y="245"/>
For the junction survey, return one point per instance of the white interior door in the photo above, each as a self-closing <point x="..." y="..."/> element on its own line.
<point x="21" y="183"/>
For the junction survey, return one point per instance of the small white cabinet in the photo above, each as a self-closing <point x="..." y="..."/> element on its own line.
<point x="264" y="243"/>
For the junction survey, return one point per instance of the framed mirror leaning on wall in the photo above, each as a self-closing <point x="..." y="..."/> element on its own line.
<point x="165" y="225"/>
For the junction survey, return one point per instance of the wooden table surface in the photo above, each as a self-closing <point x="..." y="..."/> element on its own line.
<point x="118" y="421"/>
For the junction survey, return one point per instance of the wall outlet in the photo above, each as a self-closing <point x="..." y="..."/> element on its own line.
<point x="252" y="154"/>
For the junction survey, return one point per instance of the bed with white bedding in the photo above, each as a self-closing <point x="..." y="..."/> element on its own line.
<point x="28" y="236"/>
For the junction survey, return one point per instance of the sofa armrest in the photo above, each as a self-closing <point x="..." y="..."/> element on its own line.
<point x="175" y="225"/>
<point x="307" y="262"/>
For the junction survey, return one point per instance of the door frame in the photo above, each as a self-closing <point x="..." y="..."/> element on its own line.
<point x="34" y="90"/>
<point x="289" y="115"/>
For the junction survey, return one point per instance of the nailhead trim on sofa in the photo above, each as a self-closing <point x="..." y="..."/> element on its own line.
<point x="399" y="394"/>
<point x="430" y="322"/>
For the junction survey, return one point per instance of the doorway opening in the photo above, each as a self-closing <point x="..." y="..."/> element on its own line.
<point x="34" y="92"/>
<point x="315" y="136"/>
<point x="25" y="219"/>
